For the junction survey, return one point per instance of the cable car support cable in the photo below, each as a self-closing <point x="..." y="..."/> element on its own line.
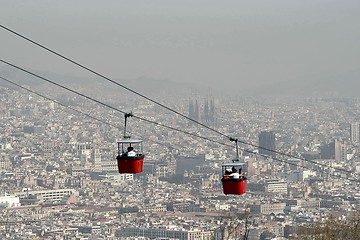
<point x="155" y="102"/>
<point x="153" y="122"/>
<point x="107" y="105"/>
<point x="224" y="144"/>
<point x="109" y="79"/>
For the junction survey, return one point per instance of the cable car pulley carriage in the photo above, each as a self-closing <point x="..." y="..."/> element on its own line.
<point x="233" y="180"/>
<point x="130" y="156"/>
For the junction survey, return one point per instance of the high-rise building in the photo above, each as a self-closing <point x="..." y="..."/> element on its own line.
<point x="334" y="150"/>
<point x="205" y="114"/>
<point x="209" y="111"/>
<point x="267" y="143"/>
<point x="97" y="159"/>
<point x="340" y="152"/>
<point x="355" y="132"/>
<point x="206" y="117"/>
<point x="212" y="111"/>
<point x="194" y="110"/>
<point x="48" y="149"/>
<point x="327" y="150"/>
<point x="191" y="109"/>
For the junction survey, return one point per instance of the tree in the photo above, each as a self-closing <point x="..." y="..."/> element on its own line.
<point x="266" y="235"/>
<point x="231" y="226"/>
<point x="332" y="228"/>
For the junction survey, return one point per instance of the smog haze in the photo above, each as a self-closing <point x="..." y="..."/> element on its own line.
<point x="235" y="46"/>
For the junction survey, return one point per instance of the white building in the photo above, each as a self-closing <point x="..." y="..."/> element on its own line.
<point x="166" y="233"/>
<point x="9" y="201"/>
<point x="276" y="186"/>
<point x="340" y="152"/>
<point x="300" y="176"/>
<point x="121" y="177"/>
<point x="109" y="165"/>
<point x="267" y="208"/>
<point x="49" y="195"/>
<point x="355" y="132"/>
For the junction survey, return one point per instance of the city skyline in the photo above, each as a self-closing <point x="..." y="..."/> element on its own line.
<point x="237" y="47"/>
<point x="279" y="79"/>
<point x="89" y="147"/>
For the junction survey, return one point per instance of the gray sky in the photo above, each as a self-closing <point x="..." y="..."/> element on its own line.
<point x="219" y="43"/>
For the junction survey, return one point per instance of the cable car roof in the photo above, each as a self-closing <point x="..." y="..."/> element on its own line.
<point x="235" y="164"/>
<point x="129" y="140"/>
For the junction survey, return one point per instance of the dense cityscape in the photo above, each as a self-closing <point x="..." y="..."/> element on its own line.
<point x="60" y="180"/>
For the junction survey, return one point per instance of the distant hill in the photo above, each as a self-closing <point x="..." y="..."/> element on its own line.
<point x="162" y="86"/>
<point x="341" y="85"/>
<point x="93" y="84"/>
<point x="27" y="79"/>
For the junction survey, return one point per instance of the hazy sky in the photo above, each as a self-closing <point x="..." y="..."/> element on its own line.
<point x="232" y="43"/>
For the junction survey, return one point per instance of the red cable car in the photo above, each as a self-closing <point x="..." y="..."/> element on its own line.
<point x="233" y="180"/>
<point x="233" y="183"/>
<point x="130" y="159"/>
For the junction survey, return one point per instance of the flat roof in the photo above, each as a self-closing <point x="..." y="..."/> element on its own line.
<point x="235" y="164"/>
<point x="129" y="140"/>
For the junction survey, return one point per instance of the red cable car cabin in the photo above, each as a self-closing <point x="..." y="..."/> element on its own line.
<point x="130" y="157"/>
<point x="233" y="180"/>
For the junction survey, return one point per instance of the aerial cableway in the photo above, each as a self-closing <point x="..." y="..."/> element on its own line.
<point x="233" y="177"/>
<point x="136" y="166"/>
<point x="130" y="158"/>
<point x="156" y="102"/>
<point x="232" y="183"/>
